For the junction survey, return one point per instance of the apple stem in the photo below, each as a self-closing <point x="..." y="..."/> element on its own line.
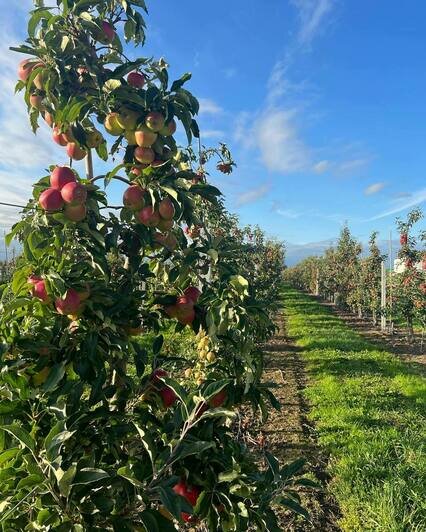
<point x="89" y="164"/>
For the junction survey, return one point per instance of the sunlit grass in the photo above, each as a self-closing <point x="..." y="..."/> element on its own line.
<point x="369" y="409"/>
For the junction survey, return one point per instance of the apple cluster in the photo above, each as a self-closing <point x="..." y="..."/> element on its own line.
<point x="183" y="309"/>
<point x="65" y="193"/>
<point x="160" y="217"/>
<point x="71" y="304"/>
<point x="142" y="132"/>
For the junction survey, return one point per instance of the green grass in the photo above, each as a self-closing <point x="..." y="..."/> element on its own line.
<point x="369" y="409"/>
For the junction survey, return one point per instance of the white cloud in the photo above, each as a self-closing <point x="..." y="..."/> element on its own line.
<point x="212" y="133"/>
<point x="374" y="188"/>
<point x="312" y="16"/>
<point x="253" y="195"/>
<point x="288" y="213"/>
<point x="23" y="155"/>
<point x="417" y="198"/>
<point x="208" y="106"/>
<point x="321" y="167"/>
<point x="282" y="149"/>
<point x="352" y="164"/>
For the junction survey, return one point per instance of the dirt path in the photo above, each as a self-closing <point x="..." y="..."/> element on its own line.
<point x="289" y="435"/>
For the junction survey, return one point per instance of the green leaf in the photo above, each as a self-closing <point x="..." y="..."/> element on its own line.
<point x="20" y="434"/>
<point x="185" y="449"/>
<point x="8" y="455"/>
<point x="43" y="516"/>
<point x="127" y="473"/>
<point x="89" y="475"/>
<point x="66" y="481"/>
<point x="55" y="376"/>
<point x="273" y="464"/>
<point x="180" y="82"/>
<point x="170" y="501"/>
<point x="147" y="443"/>
<point x="293" y="505"/>
<point x="29" y="481"/>
<point x="157" y="344"/>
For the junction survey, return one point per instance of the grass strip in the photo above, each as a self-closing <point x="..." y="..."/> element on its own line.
<point x="369" y="409"/>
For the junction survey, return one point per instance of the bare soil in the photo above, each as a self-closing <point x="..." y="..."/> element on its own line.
<point x="289" y="435"/>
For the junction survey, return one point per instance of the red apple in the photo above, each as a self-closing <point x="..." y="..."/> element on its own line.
<point x="185" y="313"/>
<point x="165" y="225"/>
<point x="39" y="291"/>
<point x="61" y="176"/>
<point x="58" y="137"/>
<point x="170" y="242"/>
<point x="74" y="193"/>
<point x="171" y="311"/>
<point x="34" y="279"/>
<point x="75" y="213"/>
<point x="217" y="400"/>
<point x="144" y="137"/>
<point x="166" y="209"/>
<point x="133" y="197"/>
<point x="169" y="129"/>
<point x="48" y="118"/>
<point x="403" y="240"/>
<point x="51" y="200"/>
<point x="168" y="396"/>
<point x="144" y="155"/>
<point x="26" y="67"/>
<point x="36" y="102"/>
<point x="106" y="34"/>
<point x="75" y="151"/>
<point x="154" y="121"/>
<point x="136" y="79"/>
<point x="188" y="492"/>
<point x="193" y="293"/>
<point x="69" y="304"/>
<point x="148" y="216"/>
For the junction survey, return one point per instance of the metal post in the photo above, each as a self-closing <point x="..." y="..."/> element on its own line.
<point x="89" y="165"/>
<point x="383" y="298"/>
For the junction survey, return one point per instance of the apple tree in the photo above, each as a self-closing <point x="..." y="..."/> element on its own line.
<point x="100" y="428"/>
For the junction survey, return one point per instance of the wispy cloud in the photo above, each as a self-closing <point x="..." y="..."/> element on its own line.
<point x="23" y="155"/>
<point x="253" y="195"/>
<point x="212" y="133"/>
<point x="417" y="198"/>
<point x="374" y="188"/>
<point x="208" y="106"/>
<point x="402" y="195"/>
<point x="312" y="16"/>
<point x="288" y="213"/>
<point x="321" y="167"/>
<point x="352" y="164"/>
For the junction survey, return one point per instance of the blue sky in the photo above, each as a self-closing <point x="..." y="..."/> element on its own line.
<point x="321" y="101"/>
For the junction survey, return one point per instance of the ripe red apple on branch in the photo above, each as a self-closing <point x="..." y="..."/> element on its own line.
<point x="133" y="197"/>
<point x="74" y="193"/>
<point x="51" y="200"/>
<point x="136" y="79"/>
<point x="61" y="176"/>
<point x="69" y="304"/>
<point x="190" y="493"/>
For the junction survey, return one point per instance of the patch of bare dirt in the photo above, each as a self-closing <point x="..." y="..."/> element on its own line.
<point x="289" y="435"/>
